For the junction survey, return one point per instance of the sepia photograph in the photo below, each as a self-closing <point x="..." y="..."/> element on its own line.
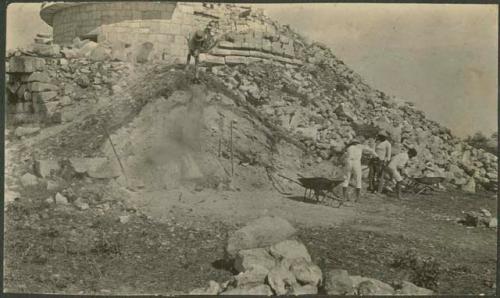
<point x="201" y="148"/>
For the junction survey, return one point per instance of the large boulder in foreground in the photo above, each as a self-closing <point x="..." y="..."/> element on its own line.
<point x="250" y="258"/>
<point x="262" y="232"/>
<point x="260" y="290"/>
<point x="212" y="289"/>
<point x="370" y="286"/>
<point x="281" y="280"/>
<point x="306" y="272"/>
<point x="255" y="276"/>
<point x="290" y="250"/>
<point x="338" y="282"/>
<point x="408" y="288"/>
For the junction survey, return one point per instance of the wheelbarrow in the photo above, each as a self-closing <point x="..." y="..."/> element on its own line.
<point x="319" y="188"/>
<point x="424" y="184"/>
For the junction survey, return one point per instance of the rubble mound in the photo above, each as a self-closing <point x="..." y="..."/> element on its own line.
<point x="240" y="125"/>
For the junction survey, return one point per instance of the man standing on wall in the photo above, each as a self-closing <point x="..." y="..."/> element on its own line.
<point x="200" y="42"/>
<point x="195" y="45"/>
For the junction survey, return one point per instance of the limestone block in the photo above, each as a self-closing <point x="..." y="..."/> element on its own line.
<point x="236" y="60"/>
<point x="266" y="46"/>
<point x="39" y="87"/>
<point x="261" y="232"/>
<point x="276" y="47"/>
<point x="337" y="282"/>
<point x="289" y="51"/>
<point x="52" y="111"/>
<point x="221" y="52"/>
<point x="25" y="64"/>
<point x="256" y="275"/>
<point x="254" y="59"/>
<point x="36" y="77"/>
<point x="226" y="44"/>
<point x="246" y="45"/>
<point x="40" y="97"/>
<point x="46" y="49"/>
<point x="249" y="259"/>
<point x="23" y="89"/>
<point x="257" y="54"/>
<point x="211" y="60"/>
<point x="21" y="107"/>
<point x="260" y="290"/>
<point x="97" y="167"/>
<point x="290" y="249"/>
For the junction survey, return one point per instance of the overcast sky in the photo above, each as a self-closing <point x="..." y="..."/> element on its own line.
<point x="442" y="57"/>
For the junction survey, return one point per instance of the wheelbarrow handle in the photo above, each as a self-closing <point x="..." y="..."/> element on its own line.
<point x="290" y="179"/>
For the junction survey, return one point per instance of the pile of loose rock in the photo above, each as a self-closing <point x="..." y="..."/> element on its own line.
<point x="324" y="105"/>
<point x="483" y="218"/>
<point x="339" y="282"/>
<point x="270" y="261"/>
<point x="52" y="87"/>
<point x="319" y="102"/>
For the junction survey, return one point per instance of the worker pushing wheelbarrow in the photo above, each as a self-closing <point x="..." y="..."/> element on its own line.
<point x="396" y="166"/>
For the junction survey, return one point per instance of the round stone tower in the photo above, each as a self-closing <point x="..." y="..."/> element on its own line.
<point x="164" y="27"/>
<point x="164" y="24"/>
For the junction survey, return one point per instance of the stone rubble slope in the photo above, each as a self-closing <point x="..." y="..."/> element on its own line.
<point x="303" y="102"/>
<point x="315" y="101"/>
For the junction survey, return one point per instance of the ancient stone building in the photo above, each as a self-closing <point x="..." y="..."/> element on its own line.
<point x="163" y="25"/>
<point x="88" y="34"/>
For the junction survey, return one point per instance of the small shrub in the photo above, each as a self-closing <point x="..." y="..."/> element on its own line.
<point x="422" y="271"/>
<point x="107" y="243"/>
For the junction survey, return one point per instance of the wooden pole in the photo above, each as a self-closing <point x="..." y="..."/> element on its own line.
<point x="220" y="136"/>
<point x="220" y="144"/>
<point x="116" y="154"/>
<point x="232" y="167"/>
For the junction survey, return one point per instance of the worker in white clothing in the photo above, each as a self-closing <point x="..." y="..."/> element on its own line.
<point x="379" y="162"/>
<point x="354" y="152"/>
<point x="398" y="162"/>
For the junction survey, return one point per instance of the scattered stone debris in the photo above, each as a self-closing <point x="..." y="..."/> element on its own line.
<point x="285" y="268"/>
<point x="26" y="131"/>
<point x="212" y="289"/>
<point x="338" y="282"/>
<point x="483" y="218"/>
<point x="269" y="261"/>
<point x="45" y="168"/>
<point x="29" y="180"/>
<point x="60" y="199"/>
<point x="260" y="233"/>
<point x="124" y="218"/>
<point x="45" y="85"/>
<point x="11" y="196"/>
<point x="80" y="204"/>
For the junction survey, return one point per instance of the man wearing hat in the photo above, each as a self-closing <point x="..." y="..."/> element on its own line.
<point x="201" y="41"/>
<point x="195" y="45"/>
<point x="398" y="162"/>
<point x="378" y="163"/>
<point x="354" y="152"/>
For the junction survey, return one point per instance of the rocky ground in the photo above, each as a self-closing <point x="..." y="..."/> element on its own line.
<point x="136" y="176"/>
<point x="111" y="247"/>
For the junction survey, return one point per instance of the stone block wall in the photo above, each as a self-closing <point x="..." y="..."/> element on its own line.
<point x="167" y="25"/>
<point x="30" y="90"/>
